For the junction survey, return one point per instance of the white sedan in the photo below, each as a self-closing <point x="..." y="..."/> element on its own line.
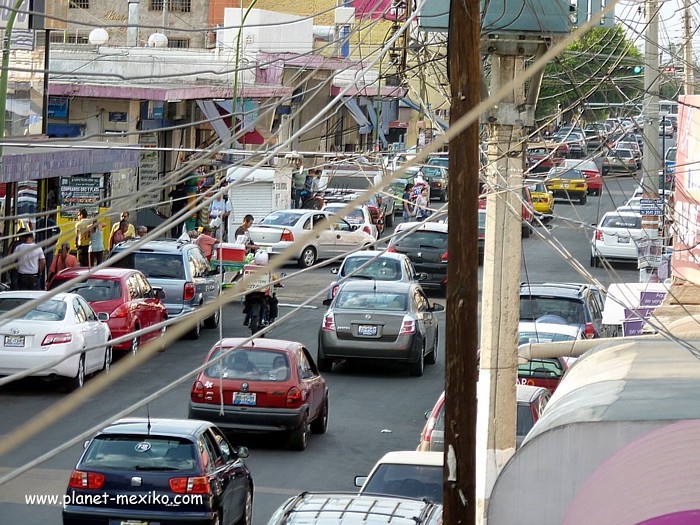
<point x="359" y="216"/>
<point x="62" y="336"/>
<point x="313" y="234"/>
<point x="617" y="237"/>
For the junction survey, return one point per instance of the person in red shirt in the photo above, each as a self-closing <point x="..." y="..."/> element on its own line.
<point x="206" y="242"/>
<point x="63" y="260"/>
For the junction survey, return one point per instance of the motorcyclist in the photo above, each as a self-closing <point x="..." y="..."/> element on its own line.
<point x="312" y="189"/>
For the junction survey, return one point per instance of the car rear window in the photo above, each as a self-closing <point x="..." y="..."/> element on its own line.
<point x="248" y="363"/>
<point x="344" y="182"/>
<point x="541" y="368"/>
<point x="155" y="265"/>
<point x="93" y="289"/>
<point x="380" y="269"/>
<point x="534" y="307"/>
<point x="569" y="174"/>
<point x="617" y="221"/>
<point x="413" y="481"/>
<point x="542" y="337"/>
<point x="120" y="452"/>
<point x="371" y="300"/>
<point x="422" y="239"/>
<point x="281" y="218"/>
<point x="622" y="153"/>
<point x="49" y="310"/>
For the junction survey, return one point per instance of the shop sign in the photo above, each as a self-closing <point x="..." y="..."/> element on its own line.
<point x="78" y="192"/>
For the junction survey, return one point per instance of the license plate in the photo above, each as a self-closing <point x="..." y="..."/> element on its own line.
<point x="134" y="522"/>
<point x="15" y="341"/>
<point x="623" y="240"/>
<point x="367" y="330"/>
<point x="242" y="398"/>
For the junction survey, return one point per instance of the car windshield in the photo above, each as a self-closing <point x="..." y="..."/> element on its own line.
<point x="628" y="222"/>
<point x="371" y="300"/>
<point x="154" y="265"/>
<point x="422" y="239"/>
<point x="581" y="165"/>
<point x="671" y="155"/>
<point x="141" y="453"/>
<point x="381" y="269"/>
<point x="432" y="171"/>
<point x="48" y="310"/>
<point x="281" y="218"/>
<point x="439" y="161"/>
<point x="568" y="174"/>
<point x="541" y="368"/>
<point x="249" y="364"/>
<point x="535" y="307"/>
<point x="93" y="289"/>
<point x="413" y="481"/>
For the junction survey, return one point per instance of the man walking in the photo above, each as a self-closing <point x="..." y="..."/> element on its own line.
<point x="30" y="263"/>
<point x="82" y="237"/>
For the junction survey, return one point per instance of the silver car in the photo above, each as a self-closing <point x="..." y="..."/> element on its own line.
<point x="388" y="321"/>
<point x="330" y="237"/>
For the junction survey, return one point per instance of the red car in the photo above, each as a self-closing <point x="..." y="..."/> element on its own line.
<point x="590" y="171"/>
<point x="526" y="211"/>
<point x="126" y="296"/>
<point x="543" y="372"/>
<point x="268" y="385"/>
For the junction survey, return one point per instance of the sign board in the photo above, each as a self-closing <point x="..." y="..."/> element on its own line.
<point x="651" y="211"/>
<point x="22" y="18"/>
<point x="646" y="202"/>
<point x="58" y="107"/>
<point x="649" y="253"/>
<point x="632" y="327"/>
<point x="78" y="192"/>
<point x="647" y="298"/>
<point x="117" y="116"/>
<point x="148" y="170"/>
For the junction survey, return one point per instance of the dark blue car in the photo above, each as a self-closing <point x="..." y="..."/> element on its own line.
<point x="160" y="472"/>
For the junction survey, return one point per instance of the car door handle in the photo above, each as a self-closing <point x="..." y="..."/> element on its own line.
<point x="337" y="236"/>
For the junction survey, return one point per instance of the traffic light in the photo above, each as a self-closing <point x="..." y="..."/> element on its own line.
<point x="637" y="70"/>
<point x="630" y="70"/>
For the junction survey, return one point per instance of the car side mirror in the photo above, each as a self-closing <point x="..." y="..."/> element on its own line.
<point x="86" y="444"/>
<point x="103" y="316"/>
<point x="243" y="452"/>
<point x="160" y="293"/>
<point x="437" y="308"/>
<point x="360" y="480"/>
<point x="327" y="302"/>
<point x="379" y="222"/>
<point x="594" y="224"/>
<point x="335" y="271"/>
<point x="354" y="227"/>
<point x="422" y="276"/>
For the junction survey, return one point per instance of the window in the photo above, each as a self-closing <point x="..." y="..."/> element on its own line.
<point x="213" y="449"/>
<point x="224" y="445"/>
<point x="180" y="43"/>
<point x="50" y="310"/>
<point x="155" y="5"/>
<point x="87" y="309"/>
<point x="80" y="316"/>
<point x="305" y="371"/>
<point x="79" y="4"/>
<point x="132" y="285"/>
<point x="184" y="6"/>
<point x="143" y="452"/>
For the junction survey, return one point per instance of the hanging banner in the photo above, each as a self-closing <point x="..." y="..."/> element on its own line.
<point x="78" y="192"/>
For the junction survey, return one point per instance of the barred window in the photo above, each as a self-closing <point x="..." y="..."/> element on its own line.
<point x="179" y="42"/>
<point x="79" y="4"/>
<point x="184" y="6"/>
<point x="59" y="37"/>
<point x="155" y="5"/>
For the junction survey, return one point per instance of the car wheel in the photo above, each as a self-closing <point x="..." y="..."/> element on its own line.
<point x="320" y="424"/>
<point x="416" y="369"/>
<point x="196" y="330"/>
<point x="74" y="383"/>
<point x="247" y="518"/>
<point x="431" y="358"/>
<point x="308" y="257"/>
<point x="595" y="261"/>
<point x="526" y="230"/>
<point x="134" y="343"/>
<point x="583" y="199"/>
<point x="108" y="357"/>
<point x="299" y="437"/>
<point x="213" y="321"/>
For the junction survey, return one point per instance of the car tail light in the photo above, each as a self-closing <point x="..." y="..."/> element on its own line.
<point x="443" y="258"/>
<point x="121" y="311"/>
<point x="391" y="249"/>
<point x="589" y="330"/>
<point x="197" y="393"/>
<point x="80" y="479"/>
<point x="188" y="291"/>
<point x="408" y="326"/>
<point x="367" y="230"/>
<point x="193" y="485"/>
<point x="328" y="323"/>
<point x="599" y="235"/>
<point x="293" y="397"/>
<point x="287" y="236"/>
<point x="334" y="290"/>
<point x="57" y="339"/>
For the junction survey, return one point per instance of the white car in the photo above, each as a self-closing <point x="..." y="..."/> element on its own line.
<point x="53" y="329"/>
<point x="617" y="237"/>
<point x="407" y="473"/>
<point x="359" y="216"/>
<point x="329" y="238"/>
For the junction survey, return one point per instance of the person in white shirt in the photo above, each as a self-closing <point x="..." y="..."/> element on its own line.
<point x="219" y="209"/>
<point x="30" y="263"/>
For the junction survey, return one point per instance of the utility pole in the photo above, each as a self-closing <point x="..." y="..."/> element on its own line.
<point x="461" y="340"/>
<point x="688" y="87"/>
<point x="651" y="162"/>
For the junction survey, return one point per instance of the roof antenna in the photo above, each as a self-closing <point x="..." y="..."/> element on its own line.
<point x="148" y="416"/>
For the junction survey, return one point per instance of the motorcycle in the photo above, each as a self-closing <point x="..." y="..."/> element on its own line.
<point x="311" y="200"/>
<point x="261" y="309"/>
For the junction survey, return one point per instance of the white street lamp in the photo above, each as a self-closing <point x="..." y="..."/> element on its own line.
<point x="98" y="36"/>
<point x="157" y="40"/>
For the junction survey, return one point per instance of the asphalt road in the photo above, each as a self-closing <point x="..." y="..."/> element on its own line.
<point x="373" y="409"/>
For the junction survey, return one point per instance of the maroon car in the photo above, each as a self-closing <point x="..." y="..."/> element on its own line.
<point x="126" y="296"/>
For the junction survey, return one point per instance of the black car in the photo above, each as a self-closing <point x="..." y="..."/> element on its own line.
<point x="160" y="471"/>
<point x="564" y="303"/>
<point x="426" y="246"/>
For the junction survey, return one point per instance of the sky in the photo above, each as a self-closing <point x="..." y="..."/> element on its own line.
<point x="631" y="15"/>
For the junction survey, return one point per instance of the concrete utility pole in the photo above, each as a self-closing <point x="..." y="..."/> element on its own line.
<point x="500" y="304"/>
<point x="461" y="340"/>
<point x="688" y="87"/>
<point x="651" y="162"/>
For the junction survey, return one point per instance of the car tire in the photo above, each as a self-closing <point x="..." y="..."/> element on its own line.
<point x="247" y="518"/>
<point x="320" y="424"/>
<point x="431" y="358"/>
<point x="196" y="331"/>
<point x="299" y="437"/>
<point x="583" y="199"/>
<point x="526" y="230"/>
<point x="416" y="369"/>
<point x="595" y="261"/>
<point x="213" y="321"/>
<point x="108" y="357"/>
<point x="77" y="382"/>
<point x="308" y="257"/>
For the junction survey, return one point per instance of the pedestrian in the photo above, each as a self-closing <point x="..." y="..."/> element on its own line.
<point x="298" y="180"/>
<point x="130" y="232"/>
<point x="47" y="233"/>
<point x="243" y="235"/>
<point x="13" y="246"/>
<point x="178" y="202"/>
<point x="421" y="210"/>
<point x="63" y="260"/>
<point x="30" y="263"/>
<point x="407" y="202"/>
<point x="119" y="235"/>
<point x="82" y="237"/>
<point x="220" y="208"/>
<point x="141" y="231"/>
<point x="206" y="241"/>
<point x="97" y="246"/>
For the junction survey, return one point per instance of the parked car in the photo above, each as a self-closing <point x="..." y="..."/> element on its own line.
<point x="348" y="185"/>
<point x="55" y="328"/>
<point x="527" y="210"/>
<point x="268" y="386"/>
<point x="160" y="471"/>
<point x="123" y="294"/>
<point x="579" y="305"/>
<point x="426" y="245"/>
<point x="180" y="270"/>
<point x="632" y="145"/>
<point x="617" y="237"/>
<point x="666" y="128"/>
<point x="284" y="228"/>
<point x="397" y="323"/>
<point x="359" y="216"/>
<point x="405" y="473"/>
<point x="590" y="171"/>
<point x="376" y="265"/>
<point x="541" y="157"/>
<point x="530" y="405"/>
<point x="620" y="161"/>
<point x="437" y="179"/>
<point x="542" y="198"/>
<point x="340" y="508"/>
<point x="567" y="183"/>
<point x="574" y="140"/>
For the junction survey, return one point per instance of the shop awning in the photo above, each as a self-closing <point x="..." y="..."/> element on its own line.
<point x="211" y="112"/>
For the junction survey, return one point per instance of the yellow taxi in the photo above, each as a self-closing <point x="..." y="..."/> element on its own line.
<point x="567" y="183"/>
<point x="542" y="199"/>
